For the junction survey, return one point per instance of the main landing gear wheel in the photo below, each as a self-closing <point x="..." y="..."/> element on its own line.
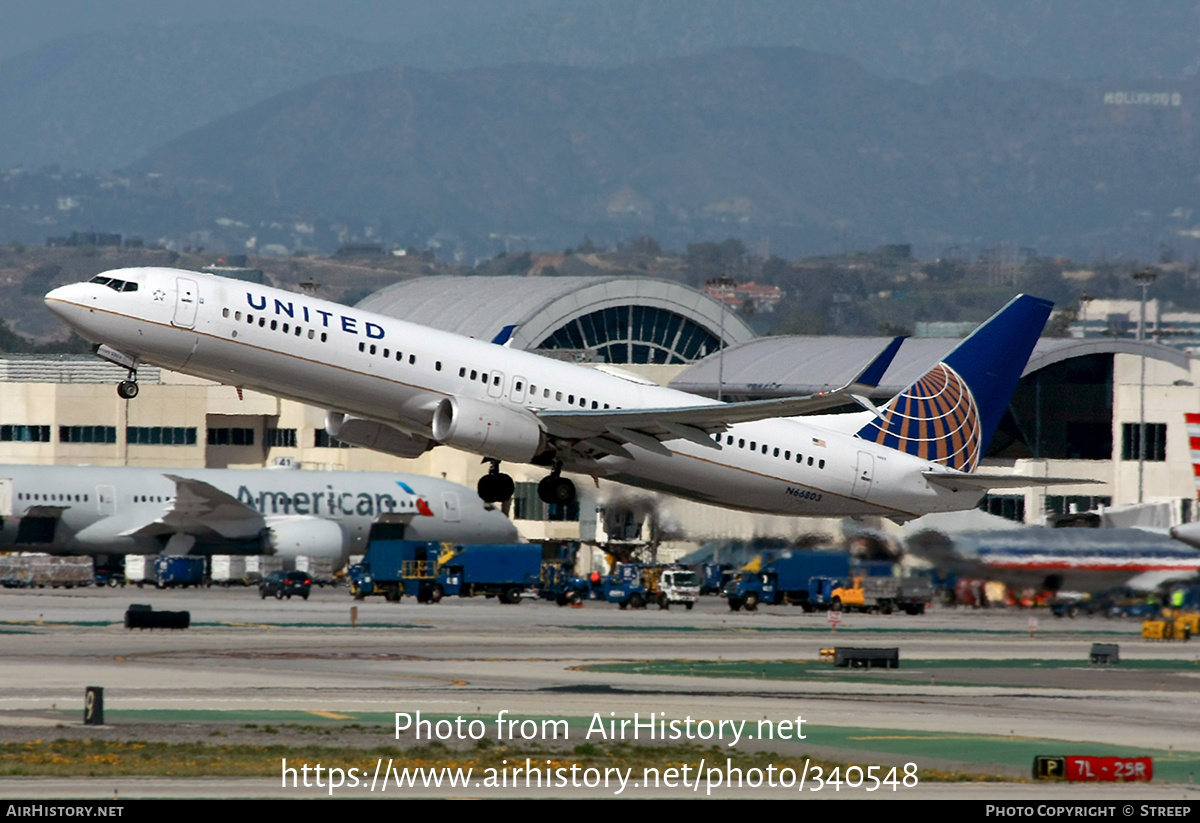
<point x="127" y="389"/>
<point x="495" y="486"/>
<point x="556" y="489"/>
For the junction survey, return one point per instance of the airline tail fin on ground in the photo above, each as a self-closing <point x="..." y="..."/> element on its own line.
<point x="949" y="414"/>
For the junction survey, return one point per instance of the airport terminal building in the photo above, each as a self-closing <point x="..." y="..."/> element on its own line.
<point x="1075" y="412"/>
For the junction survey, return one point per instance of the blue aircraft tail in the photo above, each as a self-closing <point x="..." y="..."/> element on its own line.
<point x="949" y="415"/>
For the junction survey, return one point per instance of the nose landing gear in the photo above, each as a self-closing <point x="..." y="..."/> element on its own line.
<point x="495" y="486"/>
<point x="128" y="389"/>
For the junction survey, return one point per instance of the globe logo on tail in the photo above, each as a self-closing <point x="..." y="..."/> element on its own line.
<point x="935" y="419"/>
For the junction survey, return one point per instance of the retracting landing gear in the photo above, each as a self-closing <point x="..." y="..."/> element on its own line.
<point x="555" y="488"/>
<point x="128" y="389"/>
<point x="495" y="486"/>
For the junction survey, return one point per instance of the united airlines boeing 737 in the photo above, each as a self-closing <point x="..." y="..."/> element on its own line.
<point x="404" y="388"/>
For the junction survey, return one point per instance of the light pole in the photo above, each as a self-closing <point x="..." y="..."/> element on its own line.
<point x="1143" y="278"/>
<point x="721" y="284"/>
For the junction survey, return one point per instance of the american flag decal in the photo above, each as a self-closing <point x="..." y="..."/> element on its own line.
<point x="935" y="419"/>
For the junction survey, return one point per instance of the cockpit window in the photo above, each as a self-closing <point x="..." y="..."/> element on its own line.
<point x="114" y="284"/>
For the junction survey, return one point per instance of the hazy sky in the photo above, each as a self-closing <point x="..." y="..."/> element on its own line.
<point x="917" y="39"/>
<point x="30" y="23"/>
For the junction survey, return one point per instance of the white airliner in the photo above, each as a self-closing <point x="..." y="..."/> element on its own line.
<point x="95" y="510"/>
<point x="403" y="388"/>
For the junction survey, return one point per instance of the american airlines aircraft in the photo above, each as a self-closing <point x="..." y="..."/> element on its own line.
<point x="1072" y="559"/>
<point x="403" y="388"/>
<point x="123" y="510"/>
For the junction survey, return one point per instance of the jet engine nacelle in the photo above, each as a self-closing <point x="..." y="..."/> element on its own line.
<point x="291" y="537"/>
<point x="487" y="428"/>
<point x="1188" y="533"/>
<point x="372" y="434"/>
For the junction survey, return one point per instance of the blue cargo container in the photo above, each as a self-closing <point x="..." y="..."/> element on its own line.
<point x="170" y="572"/>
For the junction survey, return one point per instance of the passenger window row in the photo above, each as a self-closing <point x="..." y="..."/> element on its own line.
<point x="287" y="328"/>
<point x="787" y="454"/>
<point x="53" y="498"/>
<point x="386" y="352"/>
<point x="473" y="374"/>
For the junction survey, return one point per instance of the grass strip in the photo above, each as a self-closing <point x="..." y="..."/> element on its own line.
<point x="96" y="758"/>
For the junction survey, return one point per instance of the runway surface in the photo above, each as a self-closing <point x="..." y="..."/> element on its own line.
<point x="291" y="661"/>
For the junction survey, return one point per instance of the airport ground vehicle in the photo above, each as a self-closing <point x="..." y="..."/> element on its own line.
<point x="1121" y="601"/>
<point x="714" y="576"/>
<point x="110" y="575"/>
<point x="320" y="569"/>
<point x="40" y="571"/>
<point x="1168" y="628"/>
<point x="181" y="572"/>
<point x="883" y="594"/>
<point x="430" y="571"/>
<point x="637" y="585"/>
<point x="283" y="584"/>
<point x="801" y="578"/>
<point x="560" y="584"/>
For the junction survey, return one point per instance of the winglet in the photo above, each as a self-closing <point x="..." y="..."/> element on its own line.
<point x="873" y="373"/>
<point x="503" y="337"/>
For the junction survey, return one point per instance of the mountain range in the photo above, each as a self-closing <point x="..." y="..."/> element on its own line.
<point x="798" y="147"/>
<point x="258" y="135"/>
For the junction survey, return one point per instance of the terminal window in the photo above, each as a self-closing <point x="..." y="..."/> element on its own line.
<point x="25" y="434"/>
<point x="1008" y="506"/>
<point x="160" y="436"/>
<point x="1156" y="441"/>
<point x="528" y="506"/>
<point x="87" y="434"/>
<point x="281" y="438"/>
<point x="1074" y="503"/>
<point x="231" y="437"/>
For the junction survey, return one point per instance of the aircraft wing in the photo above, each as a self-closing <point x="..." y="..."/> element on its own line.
<point x="983" y="482"/>
<point x="202" y="507"/>
<point x="608" y="430"/>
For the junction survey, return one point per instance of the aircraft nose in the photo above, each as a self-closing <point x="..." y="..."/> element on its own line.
<point x="68" y="302"/>
<point x="63" y="294"/>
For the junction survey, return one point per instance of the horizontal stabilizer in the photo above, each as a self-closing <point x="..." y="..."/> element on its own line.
<point x="957" y="481"/>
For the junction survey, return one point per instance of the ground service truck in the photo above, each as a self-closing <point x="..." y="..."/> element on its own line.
<point x="883" y="595"/>
<point x="430" y="571"/>
<point x="801" y="578"/>
<point x="635" y="585"/>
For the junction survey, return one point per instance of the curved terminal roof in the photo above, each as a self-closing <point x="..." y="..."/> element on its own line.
<point x="790" y="366"/>
<point x="608" y="319"/>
